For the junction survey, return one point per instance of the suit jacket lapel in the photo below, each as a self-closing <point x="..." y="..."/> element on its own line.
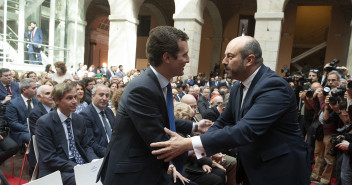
<point x="98" y="121"/>
<point x="248" y="97"/>
<point x="151" y="74"/>
<point x="237" y="101"/>
<point x="61" y="136"/>
<point x="3" y="89"/>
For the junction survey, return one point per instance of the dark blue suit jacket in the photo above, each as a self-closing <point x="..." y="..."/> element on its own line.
<point x="265" y="131"/>
<point x="95" y="128"/>
<point x="52" y="144"/>
<point x="16" y="116"/>
<point x="35" y="114"/>
<point x="140" y="120"/>
<point x="15" y="90"/>
<point x="37" y="37"/>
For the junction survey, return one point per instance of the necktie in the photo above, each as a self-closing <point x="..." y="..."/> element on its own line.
<point x="29" y="106"/>
<point x="32" y="34"/>
<point x="72" y="147"/>
<point x="8" y="89"/>
<point x="170" y="108"/>
<point x="241" y="93"/>
<point x="106" y="124"/>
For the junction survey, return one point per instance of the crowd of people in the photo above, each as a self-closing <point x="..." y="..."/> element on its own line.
<point x="80" y="116"/>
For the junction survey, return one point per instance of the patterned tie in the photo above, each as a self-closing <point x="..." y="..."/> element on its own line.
<point x="170" y="108"/>
<point x="106" y="124"/>
<point x="72" y="147"/>
<point x="29" y="106"/>
<point x="8" y="89"/>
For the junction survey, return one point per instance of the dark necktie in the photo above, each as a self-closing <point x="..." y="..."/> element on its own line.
<point x="170" y="108"/>
<point x="241" y="94"/>
<point x="106" y="124"/>
<point x="29" y="107"/>
<point x="72" y="147"/>
<point x="8" y="89"/>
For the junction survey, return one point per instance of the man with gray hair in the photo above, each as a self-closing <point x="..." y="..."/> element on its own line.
<point x="99" y="119"/>
<point x="18" y="109"/>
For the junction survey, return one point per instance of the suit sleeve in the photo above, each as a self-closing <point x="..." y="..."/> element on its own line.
<point x="271" y="101"/>
<point x="33" y="117"/>
<point x="13" y="119"/>
<point x="202" y="106"/>
<point x="48" y="151"/>
<point x="86" y="144"/>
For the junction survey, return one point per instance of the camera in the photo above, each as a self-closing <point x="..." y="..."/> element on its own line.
<point x="336" y="140"/>
<point x="326" y="90"/>
<point x="310" y="93"/>
<point x="333" y="66"/>
<point x="337" y="95"/>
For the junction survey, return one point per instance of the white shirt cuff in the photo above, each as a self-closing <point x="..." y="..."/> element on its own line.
<point x="198" y="147"/>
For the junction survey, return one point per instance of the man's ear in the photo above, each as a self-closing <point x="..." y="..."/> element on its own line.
<point x="250" y="60"/>
<point x="166" y="57"/>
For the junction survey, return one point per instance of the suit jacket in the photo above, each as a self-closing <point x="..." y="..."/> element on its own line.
<point x="203" y="105"/>
<point x="52" y="143"/>
<point x="15" y="91"/>
<point x="228" y="85"/>
<point x="265" y="131"/>
<point x="212" y="114"/>
<point x="95" y="128"/>
<point x="37" y="37"/>
<point x="37" y="112"/>
<point x="16" y="116"/>
<point x="107" y="72"/>
<point x="140" y="120"/>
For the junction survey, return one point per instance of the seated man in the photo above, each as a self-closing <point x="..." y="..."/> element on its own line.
<point x="99" y="119"/>
<point x="8" y="88"/>
<point x="214" y="112"/>
<point x="18" y="109"/>
<point x="62" y="136"/>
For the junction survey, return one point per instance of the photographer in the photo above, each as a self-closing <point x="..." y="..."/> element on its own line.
<point x="333" y="118"/>
<point x="311" y="113"/>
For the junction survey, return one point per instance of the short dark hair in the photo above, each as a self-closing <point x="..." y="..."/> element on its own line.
<point x="87" y="80"/>
<point x="33" y="22"/>
<point x="47" y="67"/>
<point x="252" y="46"/>
<point x="163" y="39"/>
<point x="3" y="70"/>
<point x="120" y="66"/>
<point x="31" y="72"/>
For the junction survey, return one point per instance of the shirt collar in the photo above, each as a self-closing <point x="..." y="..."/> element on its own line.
<point x="24" y="98"/>
<point x="46" y="108"/>
<point x="162" y="80"/>
<point x="62" y="116"/>
<point x="96" y="108"/>
<point x="247" y="83"/>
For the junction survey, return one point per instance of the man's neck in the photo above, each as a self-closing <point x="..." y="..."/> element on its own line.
<point x="64" y="111"/>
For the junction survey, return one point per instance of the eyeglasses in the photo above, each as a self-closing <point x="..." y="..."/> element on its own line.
<point x="314" y="70"/>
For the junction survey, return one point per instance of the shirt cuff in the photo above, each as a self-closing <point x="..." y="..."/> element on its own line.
<point x="198" y="147"/>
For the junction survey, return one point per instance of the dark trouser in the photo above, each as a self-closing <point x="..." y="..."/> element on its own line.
<point x="216" y="177"/>
<point x="338" y="164"/>
<point x="346" y="170"/>
<point x="8" y="148"/>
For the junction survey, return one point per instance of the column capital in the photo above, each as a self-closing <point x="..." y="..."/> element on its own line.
<point x="278" y="16"/>
<point x="118" y="18"/>
<point x="195" y="18"/>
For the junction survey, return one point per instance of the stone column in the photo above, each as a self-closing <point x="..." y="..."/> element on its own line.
<point x="21" y="30"/>
<point x="349" y="55"/>
<point x="123" y="33"/>
<point x="75" y="33"/>
<point x="188" y="17"/>
<point x="216" y="52"/>
<point x="268" y="34"/>
<point x="52" y="30"/>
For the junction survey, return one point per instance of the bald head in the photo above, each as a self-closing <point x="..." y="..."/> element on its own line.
<point x="191" y="101"/>
<point x="243" y="56"/>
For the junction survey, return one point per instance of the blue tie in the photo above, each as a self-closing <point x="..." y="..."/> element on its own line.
<point x="73" y="149"/>
<point x="170" y="108"/>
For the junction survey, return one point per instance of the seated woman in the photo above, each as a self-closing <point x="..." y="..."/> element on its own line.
<point x="81" y="96"/>
<point x="203" y="171"/>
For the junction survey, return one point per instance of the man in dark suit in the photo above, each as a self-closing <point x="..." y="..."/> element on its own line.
<point x="8" y="88"/>
<point x="227" y="83"/>
<point x="18" y="109"/>
<point x="260" y="121"/>
<point x="62" y="136"/>
<point x="37" y="39"/>
<point x="89" y="83"/>
<point x="99" y="119"/>
<point x="214" y="112"/>
<point x="143" y="114"/>
<point x="203" y="101"/>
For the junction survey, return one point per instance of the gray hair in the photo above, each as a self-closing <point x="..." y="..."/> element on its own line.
<point x="335" y="73"/>
<point x="40" y="89"/>
<point x="94" y="90"/>
<point x="25" y="83"/>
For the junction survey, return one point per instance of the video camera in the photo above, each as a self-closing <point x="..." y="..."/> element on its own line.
<point x="333" y="66"/>
<point x="337" y="95"/>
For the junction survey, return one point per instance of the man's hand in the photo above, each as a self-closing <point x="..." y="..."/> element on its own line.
<point x="206" y="168"/>
<point x="203" y="125"/>
<point x="343" y="145"/>
<point x="219" y="157"/>
<point x="7" y="98"/>
<point x="173" y="147"/>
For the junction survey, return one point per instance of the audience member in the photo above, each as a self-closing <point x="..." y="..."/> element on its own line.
<point x="203" y="102"/>
<point x="8" y="89"/>
<point x="189" y="80"/>
<point x="62" y="136"/>
<point x="115" y="99"/>
<point x="89" y="84"/>
<point x="61" y="73"/>
<point x="81" y="97"/>
<point x="99" y="119"/>
<point x="120" y="73"/>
